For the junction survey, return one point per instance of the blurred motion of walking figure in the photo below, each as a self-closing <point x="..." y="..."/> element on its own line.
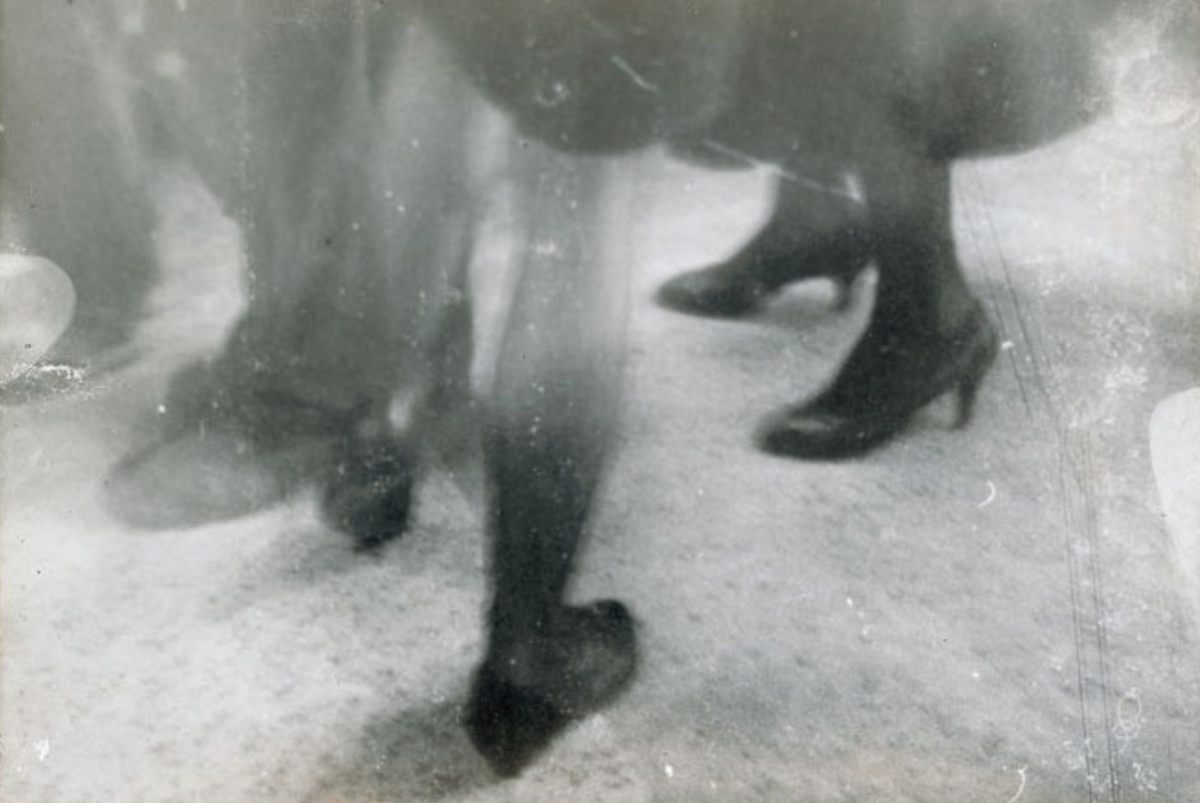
<point x="344" y="137"/>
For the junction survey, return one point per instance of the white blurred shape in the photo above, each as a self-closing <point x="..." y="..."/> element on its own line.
<point x="1175" y="454"/>
<point x="36" y="303"/>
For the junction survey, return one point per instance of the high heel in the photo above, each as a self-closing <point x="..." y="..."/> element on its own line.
<point x="974" y="372"/>
<point x="870" y="405"/>
<point x="738" y="286"/>
<point x="841" y="291"/>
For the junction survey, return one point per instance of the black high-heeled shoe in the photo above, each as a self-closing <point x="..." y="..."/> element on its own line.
<point x="861" y="412"/>
<point x="742" y="283"/>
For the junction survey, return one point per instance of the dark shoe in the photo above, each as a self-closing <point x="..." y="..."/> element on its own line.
<point x="740" y="285"/>
<point x="720" y="291"/>
<point x="852" y="418"/>
<point x="369" y="493"/>
<point x="590" y="660"/>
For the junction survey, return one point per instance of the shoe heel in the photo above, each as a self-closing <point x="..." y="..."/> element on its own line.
<point x="841" y="291"/>
<point x="967" y="390"/>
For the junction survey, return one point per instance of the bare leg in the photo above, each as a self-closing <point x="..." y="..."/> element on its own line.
<point x="547" y="436"/>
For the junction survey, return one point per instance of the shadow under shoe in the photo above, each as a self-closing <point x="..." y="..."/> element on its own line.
<point x="369" y="492"/>
<point x="741" y="284"/>
<point x="223" y="453"/>
<point x="591" y="659"/>
<point x="882" y="387"/>
<point x="207" y="476"/>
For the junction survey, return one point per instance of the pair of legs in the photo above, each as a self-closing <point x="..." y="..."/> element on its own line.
<point x="926" y="334"/>
<point x="895" y="91"/>
<point x="342" y="140"/>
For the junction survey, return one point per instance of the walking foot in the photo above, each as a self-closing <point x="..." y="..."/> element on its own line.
<point x="874" y="400"/>
<point x="740" y="285"/>
<point x="587" y="660"/>
<point x="369" y="493"/>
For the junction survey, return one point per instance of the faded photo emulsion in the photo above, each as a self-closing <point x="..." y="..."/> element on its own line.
<point x="599" y="400"/>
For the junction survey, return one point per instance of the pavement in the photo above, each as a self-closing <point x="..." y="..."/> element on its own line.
<point x="996" y="614"/>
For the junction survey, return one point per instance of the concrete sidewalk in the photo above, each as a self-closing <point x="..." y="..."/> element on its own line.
<point x="984" y="615"/>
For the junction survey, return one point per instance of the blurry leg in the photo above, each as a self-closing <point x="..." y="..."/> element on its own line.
<point x="547" y="436"/>
<point x="927" y="334"/>
<point x="348" y="185"/>
<point x="71" y="187"/>
<point x="301" y="180"/>
<point x="811" y="234"/>
<point x="268" y="99"/>
<point x="412" y="313"/>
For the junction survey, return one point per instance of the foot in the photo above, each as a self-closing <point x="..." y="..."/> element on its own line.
<point x="721" y="291"/>
<point x="874" y="399"/>
<point x="587" y="662"/>
<point x="740" y="285"/>
<point x="369" y="492"/>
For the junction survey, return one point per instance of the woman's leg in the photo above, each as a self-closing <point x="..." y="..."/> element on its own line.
<point x="547" y="436"/>
<point x="927" y="334"/>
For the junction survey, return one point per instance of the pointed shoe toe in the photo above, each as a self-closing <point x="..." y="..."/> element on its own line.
<point x="713" y="292"/>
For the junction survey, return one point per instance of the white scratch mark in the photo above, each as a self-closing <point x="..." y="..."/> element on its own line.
<point x="1129" y="717"/>
<point x="553" y="95"/>
<point x="734" y="153"/>
<point x="851" y="189"/>
<point x="854" y="188"/>
<point x="991" y="495"/>
<point x="1021" y="788"/>
<point x="43" y="749"/>
<point x="1145" y="777"/>
<point x="669" y="770"/>
<point x="638" y="80"/>
<point x="600" y="27"/>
